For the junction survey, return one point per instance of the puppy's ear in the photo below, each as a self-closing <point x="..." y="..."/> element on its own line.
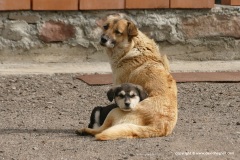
<point x="111" y="93"/>
<point x="142" y="93"/>
<point x="132" y="30"/>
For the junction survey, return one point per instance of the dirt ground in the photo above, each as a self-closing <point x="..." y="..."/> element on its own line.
<point x="39" y="114"/>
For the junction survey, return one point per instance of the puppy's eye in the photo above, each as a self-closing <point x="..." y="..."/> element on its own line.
<point x="132" y="96"/>
<point x="118" y="32"/>
<point x="106" y="27"/>
<point x="121" y="95"/>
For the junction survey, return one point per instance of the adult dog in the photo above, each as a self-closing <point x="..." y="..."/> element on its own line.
<point x="135" y="58"/>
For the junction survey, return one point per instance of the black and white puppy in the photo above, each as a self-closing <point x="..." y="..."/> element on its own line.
<point x="126" y="97"/>
<point x="99" y="114"/>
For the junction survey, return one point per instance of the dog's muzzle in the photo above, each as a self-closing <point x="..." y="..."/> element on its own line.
<point x="107" y="42"/>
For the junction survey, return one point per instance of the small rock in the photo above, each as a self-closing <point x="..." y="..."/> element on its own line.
<point x="59" y="92"/>
<point x="49" y="107"/>
<point x="81" y="122"/>
<point x="131" y="154"/>
<point x="35" y="148"/>
<point x="238" y="123"/>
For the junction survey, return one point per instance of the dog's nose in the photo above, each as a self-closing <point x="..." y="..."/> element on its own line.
<point x="127" y="104"/>
<point x="103" y="39"/>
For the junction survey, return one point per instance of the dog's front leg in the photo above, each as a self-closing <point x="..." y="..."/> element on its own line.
<point x="89" y="131"/>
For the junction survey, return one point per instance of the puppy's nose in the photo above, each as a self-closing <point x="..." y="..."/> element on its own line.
<point x="103" y="39"/>
<point x="127" y="104"/>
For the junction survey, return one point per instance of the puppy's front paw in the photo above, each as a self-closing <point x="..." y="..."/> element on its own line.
<point x="81" y="132"/>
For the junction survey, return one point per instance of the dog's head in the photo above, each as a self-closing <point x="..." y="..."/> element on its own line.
<point x="127" y="95"/>
<point x="118" y="30"/>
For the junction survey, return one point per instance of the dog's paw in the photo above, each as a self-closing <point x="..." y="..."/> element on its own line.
<point x="102" y="137"/>
<point x="81" y="132"/>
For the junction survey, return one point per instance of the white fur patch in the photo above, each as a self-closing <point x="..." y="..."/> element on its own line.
<point x="122" y="93"/>
<point x="133" y="102"/>
<point x="97" y="120"/>
<point x="131" y="93"/>
<point x="109" y="44"/>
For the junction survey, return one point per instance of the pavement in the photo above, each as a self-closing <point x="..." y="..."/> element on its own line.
<point x="104" y="67"/>
<point x="40" y="110"/>
<point x="39" y="114"/>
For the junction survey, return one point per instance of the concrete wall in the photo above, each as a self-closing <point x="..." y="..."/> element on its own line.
<point x="31" y="36"/>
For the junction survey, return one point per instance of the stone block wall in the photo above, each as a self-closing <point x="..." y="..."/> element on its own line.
<point x="72" y="36"/>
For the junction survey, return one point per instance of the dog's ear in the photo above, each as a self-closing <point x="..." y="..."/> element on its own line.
<point x="132" y="30"/>
<point x="100" y="22"/>
<point x="142" y="93"/>
<point x="111" y="93"/>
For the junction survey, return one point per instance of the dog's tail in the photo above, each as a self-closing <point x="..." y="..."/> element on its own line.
<point x="165" y="62"/>
<point x="127" y="130"/>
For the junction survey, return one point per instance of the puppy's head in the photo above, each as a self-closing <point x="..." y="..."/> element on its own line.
<point x="126" y="95"/>
<point x="118" y="30"/>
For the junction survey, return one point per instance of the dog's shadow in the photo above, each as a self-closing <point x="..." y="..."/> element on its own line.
<point x="37" y="131"/>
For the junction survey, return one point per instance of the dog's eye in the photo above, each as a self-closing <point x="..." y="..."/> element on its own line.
<point x="118" y="32"/>
<point x="121" y="95"/>
<point x="132" y="96"/>
<point x="106" y="27"/>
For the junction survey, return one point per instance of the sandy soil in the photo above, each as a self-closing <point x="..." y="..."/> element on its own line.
<point x="39" y="113"/>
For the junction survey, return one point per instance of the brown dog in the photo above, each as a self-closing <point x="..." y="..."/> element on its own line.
<point x="135" y="58"/>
